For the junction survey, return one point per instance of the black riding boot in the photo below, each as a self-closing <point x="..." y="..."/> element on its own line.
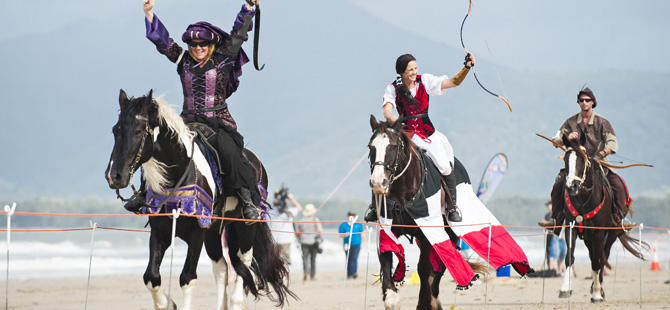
<point x="371" y="214"/>
<point x="452" y="209"/>
<point x="249" y="210"/>
<point x="135" y="205"/>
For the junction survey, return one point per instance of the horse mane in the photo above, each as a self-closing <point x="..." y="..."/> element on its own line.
<point x="168" y="116"/>
<point x="155" y="172"/>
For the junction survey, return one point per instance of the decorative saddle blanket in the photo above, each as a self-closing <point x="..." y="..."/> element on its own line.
<point x="426" y="210"/>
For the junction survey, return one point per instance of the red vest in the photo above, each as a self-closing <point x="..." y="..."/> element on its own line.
<point x="421" y="126"/>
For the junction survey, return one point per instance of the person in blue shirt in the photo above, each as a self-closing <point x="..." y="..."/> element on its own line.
<point x="354" y="248"/>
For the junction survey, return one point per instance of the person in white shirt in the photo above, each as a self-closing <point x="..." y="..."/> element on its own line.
<point x="409" y="96"/>
<point x="283" y="230"/>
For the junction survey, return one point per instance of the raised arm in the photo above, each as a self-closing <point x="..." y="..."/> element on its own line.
<point x="460" y="76"/>
<point x="159" y="35"/>
<point x="242" y="26"/>
<point x="149" y="9"/>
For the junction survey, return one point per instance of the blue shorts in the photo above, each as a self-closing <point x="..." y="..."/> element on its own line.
<point x="557" y="248"/>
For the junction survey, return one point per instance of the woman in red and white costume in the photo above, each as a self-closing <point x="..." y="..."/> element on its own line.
<point x="409" y="96"/>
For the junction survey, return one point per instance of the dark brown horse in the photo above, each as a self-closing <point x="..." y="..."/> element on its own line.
<point x="149" y="133"/>
<point x="589" y="204"/>
<point x="398" y="173"/>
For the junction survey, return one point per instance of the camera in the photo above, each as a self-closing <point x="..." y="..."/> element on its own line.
<point x="281" y="195"/>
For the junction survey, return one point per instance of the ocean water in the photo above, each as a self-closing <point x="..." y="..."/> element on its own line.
<point x="68" y="254"/>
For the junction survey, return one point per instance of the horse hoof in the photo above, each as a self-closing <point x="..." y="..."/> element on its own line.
<point x="594" y="301"/>
<point x="564" y="294"/>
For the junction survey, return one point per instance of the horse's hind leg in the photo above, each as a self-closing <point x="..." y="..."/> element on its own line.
<point x="389" y="291"/>
<point x="159" y="241"/>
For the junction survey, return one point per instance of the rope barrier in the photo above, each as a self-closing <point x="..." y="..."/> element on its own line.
<point x="10" y="211"/>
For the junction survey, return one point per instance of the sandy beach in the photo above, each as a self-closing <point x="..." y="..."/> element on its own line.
<point x="622" y="288"/>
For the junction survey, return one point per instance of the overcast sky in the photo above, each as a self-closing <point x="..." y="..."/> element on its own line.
<point x="529" y="35"/>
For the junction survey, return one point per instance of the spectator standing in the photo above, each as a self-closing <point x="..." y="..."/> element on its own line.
<point x="282" y="226"/>
<point x="351" y="250"/>
<point x="307" y="233"/>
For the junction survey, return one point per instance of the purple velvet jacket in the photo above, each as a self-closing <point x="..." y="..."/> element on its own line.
<point x="210" y="85"/>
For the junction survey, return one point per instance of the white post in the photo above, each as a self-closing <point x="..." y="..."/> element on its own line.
<point x="640" y="243"/>
<point x="367" y="266"/>
<point x="346" y="263"/>
<point x="90" y="262"/>
<point x="10" y="212"/>
<point x="175" y="216"/>
<point x="488" y="260"/>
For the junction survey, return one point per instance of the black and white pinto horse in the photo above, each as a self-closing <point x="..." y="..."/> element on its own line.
<point x="588" y="203"/>
<point x="397" y="173"/>
<point x="150" y="133"/>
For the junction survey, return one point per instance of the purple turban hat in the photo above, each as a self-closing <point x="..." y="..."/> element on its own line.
<point x="205" y="31"/>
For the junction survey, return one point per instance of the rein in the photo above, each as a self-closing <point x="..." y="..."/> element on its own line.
<point x="137" y="159"/>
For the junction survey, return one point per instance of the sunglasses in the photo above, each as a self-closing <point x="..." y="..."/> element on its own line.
<point x="201" y="44"/>
<point x="584" y="100"/>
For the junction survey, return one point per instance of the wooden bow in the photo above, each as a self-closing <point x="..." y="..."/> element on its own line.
<point x="603" y="163"/>
<point x="473" y="65"/>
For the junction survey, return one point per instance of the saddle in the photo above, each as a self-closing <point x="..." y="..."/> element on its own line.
<point x="205" y="138"/>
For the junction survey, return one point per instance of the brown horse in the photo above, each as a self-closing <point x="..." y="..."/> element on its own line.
<point x="588" y="202"/>
<point x="149" y="133"/>
<point x="398" y="173"/>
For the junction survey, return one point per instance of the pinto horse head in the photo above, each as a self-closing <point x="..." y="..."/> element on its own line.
<point x="387" y="146"/>
<point x="133" y="138"/>
<point x="577" y="164"/>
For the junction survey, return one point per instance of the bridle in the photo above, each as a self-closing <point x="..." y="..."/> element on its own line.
<point x="587" y="166"/>
<point x="387" y="166"/>
<point x="133" y="167"/>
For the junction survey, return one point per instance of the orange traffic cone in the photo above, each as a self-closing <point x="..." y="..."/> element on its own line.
<point x="654" y="263"/>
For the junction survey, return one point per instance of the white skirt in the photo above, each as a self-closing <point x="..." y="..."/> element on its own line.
<point x="439" y="149"/>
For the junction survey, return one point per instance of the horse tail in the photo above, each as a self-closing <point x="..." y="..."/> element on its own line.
<point x="634" y="246"/>
<point x="269" y="267"/>
<point x="478" y="267"/>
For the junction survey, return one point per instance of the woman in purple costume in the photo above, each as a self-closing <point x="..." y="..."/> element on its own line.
<point x="209" y="71"/>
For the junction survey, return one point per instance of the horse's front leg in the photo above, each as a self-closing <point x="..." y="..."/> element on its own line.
<point x="566" y="287"/>
<point x="189" y="277"/>
<point x="389" y="291"/>
<point x="159" y="241"/>
<point x="596" y="247"/>
<point x="427" y="293"/>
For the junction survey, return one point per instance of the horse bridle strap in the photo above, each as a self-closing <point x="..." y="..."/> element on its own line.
<point x="147" y="132"/>
<point x="394" y="177"/>
<point x="579" y="218"/>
